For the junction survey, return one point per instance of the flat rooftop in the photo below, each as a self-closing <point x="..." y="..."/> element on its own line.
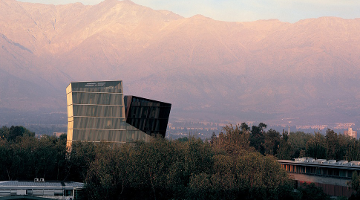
<point x="307" y="161"/>
<point x="50" y="185"/>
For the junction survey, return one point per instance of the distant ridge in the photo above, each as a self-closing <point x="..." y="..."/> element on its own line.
<point x="262" y="70"/>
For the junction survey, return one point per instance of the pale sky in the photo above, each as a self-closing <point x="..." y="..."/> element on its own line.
<point x="246" y="10"/>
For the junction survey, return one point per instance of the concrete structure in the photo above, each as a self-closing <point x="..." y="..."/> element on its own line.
<point x="96" y="112"/>
<point x="39" y="189"/>
<point x="351" y="133"/>
<point x="331" y="175"/>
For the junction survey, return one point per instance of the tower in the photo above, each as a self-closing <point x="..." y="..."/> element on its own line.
<point x="96" y="113"/>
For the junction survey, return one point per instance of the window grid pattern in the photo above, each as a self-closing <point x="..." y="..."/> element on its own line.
<point x="97" y="98"/>
<point x="147" y="115"/>
<point x="319" y="171"/>
<point x="104" y="86"/>
<point x="130" y="134"/>
<point x="96" y="113"/>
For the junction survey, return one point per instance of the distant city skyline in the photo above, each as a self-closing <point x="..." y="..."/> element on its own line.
<point x="241" y="10"/>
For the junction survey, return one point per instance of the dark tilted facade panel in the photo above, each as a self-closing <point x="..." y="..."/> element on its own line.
<point x="149" y="116"/>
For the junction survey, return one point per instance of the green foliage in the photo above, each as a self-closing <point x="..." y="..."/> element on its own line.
<point x="260" y="174"/>
<point x="272" y="142"/>
<point x="336" y="145"/>
<point x="311" y="192"/>
<point x="24" y="157"/>
<point x="316" y="146"/>
<point x="257" y="138"/>
<point x="80" y="158"/>
<point x="298" y="142"/>
<point x="355" y="181"/>
<point x="230" y="166"/>
<point x="285" y="149"/>
<point x="14" y="132"/>
<point x="355" y="185"/>
<point x="353" y="153"/>
<point x="5" y="160"/>
<point x="183" y="139"/>
<point x="163" y="169"/>
<point x="233" y="140"/>
<point x="332" y="146"/>
<point x="4" y="133"/>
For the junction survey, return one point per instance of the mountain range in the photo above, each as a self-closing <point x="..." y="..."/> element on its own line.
<point x="305" y="72"/>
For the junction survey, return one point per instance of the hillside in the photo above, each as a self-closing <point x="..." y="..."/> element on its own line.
<point x="209" y="70"/>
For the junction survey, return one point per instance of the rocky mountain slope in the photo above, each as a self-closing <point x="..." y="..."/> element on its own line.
<point x="209" y="70"/>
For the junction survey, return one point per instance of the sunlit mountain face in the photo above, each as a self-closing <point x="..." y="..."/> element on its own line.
<point x="267" y="71"/>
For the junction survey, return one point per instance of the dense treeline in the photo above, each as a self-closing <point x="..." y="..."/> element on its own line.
<point x="331" y="146"/>
<point x="238" y="164"/>
<point x="183" y="170"/>
<point x="24" y="157"/>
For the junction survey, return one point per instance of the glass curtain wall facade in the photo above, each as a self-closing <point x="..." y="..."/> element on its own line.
<point x="96" y="113"/>
<point x="150" y="116"/>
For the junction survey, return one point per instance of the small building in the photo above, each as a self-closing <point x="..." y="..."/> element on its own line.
<point x="351" y="133"/>
<point x="39" y="189"/>
<point x="330" y="175"/>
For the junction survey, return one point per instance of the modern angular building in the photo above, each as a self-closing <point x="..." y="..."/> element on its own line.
<point x="96" y="112"/>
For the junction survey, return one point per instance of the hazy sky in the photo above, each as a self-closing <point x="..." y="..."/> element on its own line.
<point x="246" y="10"/>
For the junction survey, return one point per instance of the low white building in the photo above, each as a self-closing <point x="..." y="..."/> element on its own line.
<point x="39" y="189"/>
<point x="330" y="175"/>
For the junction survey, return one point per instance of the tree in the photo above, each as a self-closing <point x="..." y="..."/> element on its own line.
<point x="28" y="157"/>
<point x="199" y="186"/>
<point x="223" y="175"/>
<point x="4" y="133"/>
<point x="244" y="127"/>
<point x="260" y="177"/>
<point x="213" y="139"/>
<point x="353" y="152"/>
<point x="257" y="137"/>
<point x="272" y="142"/>
<point x="80" y="158"/>
<point x="311" y="192"/>
<point x="5" y="160"/>
<point x="234" y="140"/>
<point x="183" y="139"/>
<point x="332" y="145"/>
<point x="18" y="131"/>
<point x="344" y="144"/>
<point x="316" y="147"/>
<point x="108" y="175"/>
<point x="285" y="148"/>
<point x="355" y="185"/>
<point x="298" y="142"/>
